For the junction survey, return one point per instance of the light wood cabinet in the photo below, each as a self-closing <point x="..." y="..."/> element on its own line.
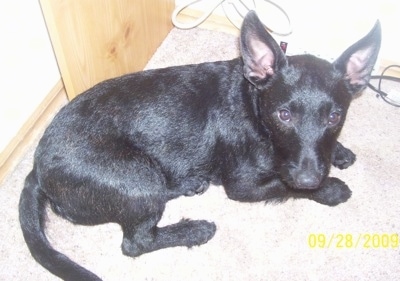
<point x="94" y="40"/>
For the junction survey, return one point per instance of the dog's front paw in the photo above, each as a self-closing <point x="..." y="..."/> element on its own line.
<point x="193" y="189"/>
<point x="343" y="157"/>
<point x="333" y="192"/>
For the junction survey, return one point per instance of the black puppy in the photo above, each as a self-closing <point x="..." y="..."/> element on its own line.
<point x="265" y="126"/>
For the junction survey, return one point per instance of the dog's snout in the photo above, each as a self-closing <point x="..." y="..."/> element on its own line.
<point x="307" y="180"/>
<point x="306" y="175"/>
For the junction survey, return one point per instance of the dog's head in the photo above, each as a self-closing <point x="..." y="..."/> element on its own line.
<point x="303" y="100"/>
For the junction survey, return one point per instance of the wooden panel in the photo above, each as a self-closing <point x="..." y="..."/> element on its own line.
<point x="98" y="39"/>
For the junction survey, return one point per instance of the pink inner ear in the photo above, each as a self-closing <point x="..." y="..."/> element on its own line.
<point x="270" y="70"/>
<point x="263" y="60"/>
<point x="357" y="68"/>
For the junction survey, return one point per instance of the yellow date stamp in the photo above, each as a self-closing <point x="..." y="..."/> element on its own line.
<point x="353" y="241"/>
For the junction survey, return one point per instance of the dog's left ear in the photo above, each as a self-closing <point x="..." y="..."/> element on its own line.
<point x="357" y="62"/>
<point x="261" y="55"/>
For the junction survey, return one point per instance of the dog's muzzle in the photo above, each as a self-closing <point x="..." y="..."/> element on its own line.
<point x="307" y="180"/>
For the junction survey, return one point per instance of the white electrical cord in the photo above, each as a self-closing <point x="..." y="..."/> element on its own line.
<point x="224" y="3"/>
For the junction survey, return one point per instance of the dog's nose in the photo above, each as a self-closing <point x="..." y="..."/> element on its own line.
<point x="307" y="180"/>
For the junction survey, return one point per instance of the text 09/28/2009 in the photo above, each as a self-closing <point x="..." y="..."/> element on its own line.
<point x="353" y="241"/>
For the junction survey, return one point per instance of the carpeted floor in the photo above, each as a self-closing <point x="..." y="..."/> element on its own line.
<point x="253" y="241"/>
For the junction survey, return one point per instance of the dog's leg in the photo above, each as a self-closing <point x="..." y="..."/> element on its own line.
<point x="332" y="192"/>
<point x="143" y="210"/>
<point x="147" y="237"/>
<point x="250" y="190"/>
<point x="252" y="178"/>
<point x="343" y="157"/>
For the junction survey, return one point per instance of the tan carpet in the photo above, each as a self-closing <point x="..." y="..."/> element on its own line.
<point x="253" y="241"/>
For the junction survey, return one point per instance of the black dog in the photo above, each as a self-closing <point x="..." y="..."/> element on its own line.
<point x="265" y="126"/>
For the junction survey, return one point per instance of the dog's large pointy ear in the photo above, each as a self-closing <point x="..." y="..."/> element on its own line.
<point x="262" y="56"/>
<point x="357" y="62"/>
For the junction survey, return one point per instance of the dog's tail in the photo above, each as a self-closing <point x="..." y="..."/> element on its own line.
<point x="31" y="215"/>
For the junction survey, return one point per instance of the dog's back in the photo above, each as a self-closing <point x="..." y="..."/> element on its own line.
<point x="160" y="113"/>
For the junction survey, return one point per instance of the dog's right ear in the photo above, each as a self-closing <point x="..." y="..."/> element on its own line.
<point x="261" y="55"/>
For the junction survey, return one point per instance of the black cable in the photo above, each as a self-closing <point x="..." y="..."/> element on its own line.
<point x="385" y="77"/>
<point x="378" y="90"/>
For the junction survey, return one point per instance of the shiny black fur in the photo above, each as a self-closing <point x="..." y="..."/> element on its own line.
<point x="264" y="126"/>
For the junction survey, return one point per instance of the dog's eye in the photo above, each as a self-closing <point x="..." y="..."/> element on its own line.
<point x="334" y="118"/>
<point x="285" y="115"/>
